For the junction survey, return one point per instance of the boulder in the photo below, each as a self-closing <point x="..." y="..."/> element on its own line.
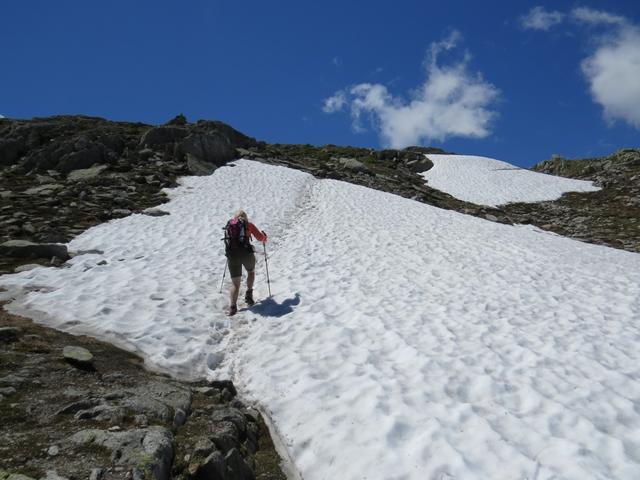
<point x="237" y="468"/>
<point x="78" y="356"/>
<point x="163" y="135"/>
<point x="211" y="148"/>
<point x="86" y="173"/>
<point x="85" y="158"/>
<point x="26" y="249"/>
<point x="212" y="468"/>
<point x="419" y="166"/>
<point x="149" y="449"/>
<point x="354" y="165"/>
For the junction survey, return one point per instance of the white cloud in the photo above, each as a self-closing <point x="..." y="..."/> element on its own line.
<point x="2" y="116"/>
<point x="612" y="69"/>
<point x="540" y="19"/>
<point x="596" y="17"/>
<point x="335" y="103"/>
<point x="337" y="61"/>
<point x="613" y="73"/>
<point x="451" y="102"/>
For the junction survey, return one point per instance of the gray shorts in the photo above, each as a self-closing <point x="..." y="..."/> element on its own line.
<point x="241" y="258"/>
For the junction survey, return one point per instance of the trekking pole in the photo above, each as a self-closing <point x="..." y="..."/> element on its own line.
<point x="266" y="264"/>
<point x="223" y="274"/>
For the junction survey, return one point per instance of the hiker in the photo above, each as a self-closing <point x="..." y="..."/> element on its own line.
<point x="239" y="252"/>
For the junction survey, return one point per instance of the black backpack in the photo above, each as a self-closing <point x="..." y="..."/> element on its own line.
<point x="236" y="235"/>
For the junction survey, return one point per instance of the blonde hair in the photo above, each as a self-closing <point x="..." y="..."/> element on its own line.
<point x="242" y="215"/>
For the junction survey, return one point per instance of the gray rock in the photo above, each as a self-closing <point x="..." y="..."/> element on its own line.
<point x="163" y="135"/>
<point x="204" y="447"/>
<point x="9" y="334"/>
<point x="4" y="475"/>
<point x="53" y="475"/>
<point x="121" y="212"/>
<point x="198" y="167"/>
<point x="26" y="249"/>
<point x="75" y="407"/>
<point x="86" y="173"/>
<point x="419" y="166"/>
<point x="490" y="217"/>
<point x="7" y="391"/>
<point x="225" y="436"/>
<point x="158" y="400"/>
<point x="102" y="413"/>
<point x="146" y="153"/>
<point x="96" y="474"/>
<point x="354" y="165"/>
<point x="233" y="415"/>
<point x="43" y="190"/>
<point x="53" y="450"/>
<point x="155" y="212"/>
<point x="78" y="356"/>
<point x="150" y="450"/>
<point x="180" y="418"/>
<point x="237" y="469"/>
<point x="212" y="148"/>
<point x="212" y="468"/>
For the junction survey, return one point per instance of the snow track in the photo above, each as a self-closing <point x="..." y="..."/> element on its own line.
<point x="402" y="342"/>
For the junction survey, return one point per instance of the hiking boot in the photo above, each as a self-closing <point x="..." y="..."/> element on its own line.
<point x="233" y="309"/>
<point x="248" y="297"/>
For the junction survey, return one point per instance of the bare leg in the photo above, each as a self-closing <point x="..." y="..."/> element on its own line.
<point x="233" y="292"/>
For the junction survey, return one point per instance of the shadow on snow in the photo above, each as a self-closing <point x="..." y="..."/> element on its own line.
<point x="270" y="308"/>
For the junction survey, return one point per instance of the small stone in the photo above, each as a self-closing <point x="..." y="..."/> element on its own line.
<point x="180" y="418"/>
<point x="115" y="428"/>
<point x="491" y="218"/>
<point x="78" y="355"/>
<point x="53" y="451"/>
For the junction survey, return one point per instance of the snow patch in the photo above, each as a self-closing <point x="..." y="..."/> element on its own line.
<point x="485" y="181"/>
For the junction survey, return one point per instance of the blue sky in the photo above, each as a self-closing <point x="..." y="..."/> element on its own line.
<point x="513" y="80"/>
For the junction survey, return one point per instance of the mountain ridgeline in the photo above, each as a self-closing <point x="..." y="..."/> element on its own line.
<point x="61" y="175"/>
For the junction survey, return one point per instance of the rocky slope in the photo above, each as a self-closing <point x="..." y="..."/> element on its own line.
<point x="77" y="408"/>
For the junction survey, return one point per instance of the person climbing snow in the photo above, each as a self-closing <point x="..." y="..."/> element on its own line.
<point x="240" y="253"/>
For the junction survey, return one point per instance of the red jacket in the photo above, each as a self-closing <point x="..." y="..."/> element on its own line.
<point x="257" y="234"/>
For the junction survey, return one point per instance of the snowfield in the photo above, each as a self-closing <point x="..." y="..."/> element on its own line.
<point x="402" y="341"/>
<point x="485" y="181"/>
